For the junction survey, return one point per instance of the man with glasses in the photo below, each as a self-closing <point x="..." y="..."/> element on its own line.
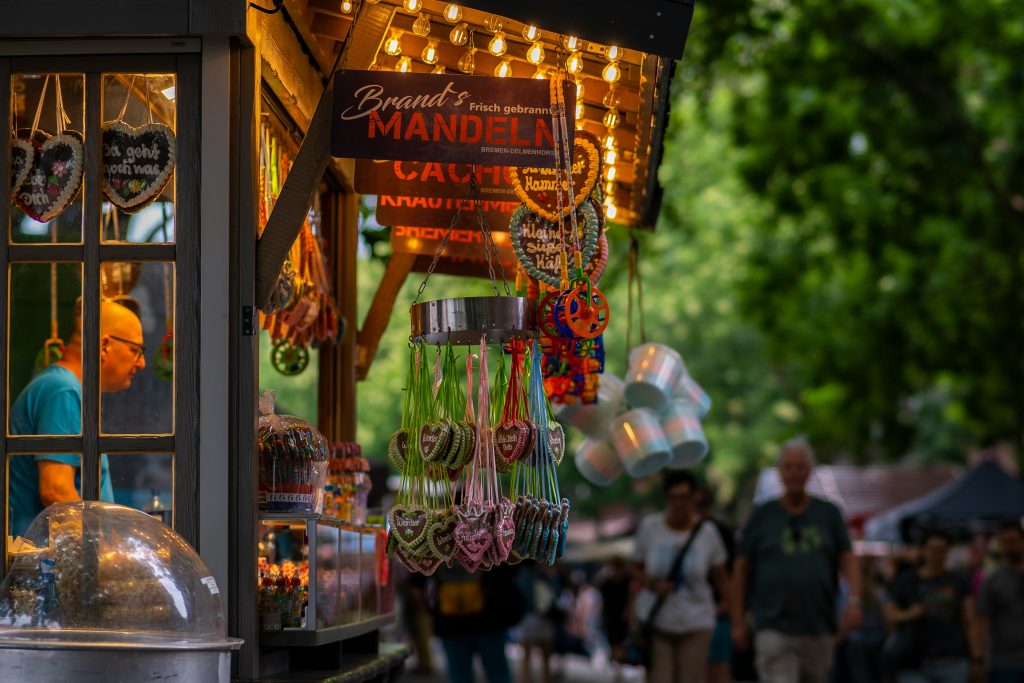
<point x="52" y="404"/>
<point x="791" y="553"/>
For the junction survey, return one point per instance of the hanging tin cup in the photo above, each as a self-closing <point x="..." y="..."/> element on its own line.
<point x="597" y="462"/>
<point x="640" y="443"/>
<point x="593" y="419"/>
<point x="688" y="390"/>
<point x="654" y="371"/>
<point x="685" y="435"/>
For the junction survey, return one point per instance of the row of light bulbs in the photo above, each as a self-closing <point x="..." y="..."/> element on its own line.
<point x="460" y="34"/>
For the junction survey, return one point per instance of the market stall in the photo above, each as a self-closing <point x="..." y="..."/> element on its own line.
<point x="212" y="189"/>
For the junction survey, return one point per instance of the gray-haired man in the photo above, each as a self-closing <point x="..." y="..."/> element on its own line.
<point x="791" y="554"/>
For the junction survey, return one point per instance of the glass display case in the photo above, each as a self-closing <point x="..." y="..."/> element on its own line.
<point x="321" y="579"/>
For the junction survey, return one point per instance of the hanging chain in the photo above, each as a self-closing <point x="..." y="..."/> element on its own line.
<point x="440" y="250"/>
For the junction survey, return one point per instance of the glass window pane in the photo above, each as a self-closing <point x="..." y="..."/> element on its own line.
<point x="48" y="157"/>
<point x="44" y="351"/>
<point x="138" y="157"/>
<point x="136" y="348"/>
<point x="36" y="480"/>
<point x="144" y="481"/>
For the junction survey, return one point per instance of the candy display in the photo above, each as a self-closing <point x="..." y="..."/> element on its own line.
<point x="292" y="462"/>
<point x="283" y="595"/>
<point x="348" y="485"/>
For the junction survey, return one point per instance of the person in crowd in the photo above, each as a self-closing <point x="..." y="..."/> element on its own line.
<point x="857" y="654"/>
<point x="791" y="553"/>
<point x="416" y="616"/>
<point x="52" y="404"/>
<point x="682" y="627"/>
<point x="615" y="591"/>
<point x="938" y="604"/>
<point x="719" y="668"/>
<point x="584" y="623"/>
<point x="999" y="613"/>
<point x="537" y="631"/>
<point x="472" y="615"/>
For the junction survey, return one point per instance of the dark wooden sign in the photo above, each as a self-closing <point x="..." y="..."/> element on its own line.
<point x="437" y="212"/>
<point x="463" y="243"/>
<point x="431" y="179"/>
<point x="445" y="118"/>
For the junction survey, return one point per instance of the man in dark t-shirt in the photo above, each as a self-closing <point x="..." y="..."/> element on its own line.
<point x="940" y="605"/>
<point x="999" y="623"/>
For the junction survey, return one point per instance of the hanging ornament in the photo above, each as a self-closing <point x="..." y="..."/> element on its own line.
<point x="22" y="156"/>
<point x="530" y="233"/>
<point x="288" y="359"/>
<point x="538" y="189"/>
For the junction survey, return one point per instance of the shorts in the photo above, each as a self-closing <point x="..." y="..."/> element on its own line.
<point x="721" y="642"/>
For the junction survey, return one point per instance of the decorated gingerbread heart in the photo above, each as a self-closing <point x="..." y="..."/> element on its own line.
<point x="538" y="188"/>
<point x="420" y="564"/>
<point x="441" y="539"/>
<point x="409" y="526"/>
<point x="137" y="163"/>
<point x="511" y="440"/>
<point x="434" y="440"/>
<point x="398" y="449"/>
<point x="22" y="156"/>
<point x="556" y="441"/>
<point x="54" y="177"/>
<point x="538" y="242"/>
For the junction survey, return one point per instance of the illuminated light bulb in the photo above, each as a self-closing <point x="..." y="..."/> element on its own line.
<point x="610" y="156"/>
<point x="574" y="63"/>
<point x="609" y="188"/>
<point x="531" y="33"/>
<point x="452" y="13"/>
<point x="493" y="23"/>
<point x="459" y="35"/>
<point x="611" y="118"/>
<point x="579" y="89"/>
<point x="535" y="55"/>
<point x="421" y="26"/>
<point x="393" y="45"/>
<point x="504" y="69"/>
<point x="439" y="69"/>
<point x="572" y="43"/>
<point x="467" y="62"/>
<point x="412" y="5"/>
<point x="579" y="109"/>
<point x="609" y="173"/>
<point x="614" y="53"/>
<point x="608" y="141"/>
<point x="610" y="211"/>
<point x="347" y="6"/>
<point x="404" y="65"/>
<point x="498" y="45"/>
<point x="610" y="99"/>
<point x="429" y="54"/>
<point x="611" y="72"/>
<point x="540" y="74"/>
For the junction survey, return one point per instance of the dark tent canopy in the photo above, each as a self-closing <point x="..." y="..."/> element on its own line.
<point x="976" y="502"/>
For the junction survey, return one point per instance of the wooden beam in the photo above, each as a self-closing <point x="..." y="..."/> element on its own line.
<point x="287" y="69"/>
<point x="377" y="318"/>
<point x="332" y="28"/>
<point x="302" y="21"/>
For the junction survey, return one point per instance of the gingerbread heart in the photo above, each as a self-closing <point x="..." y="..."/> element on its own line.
<point x="398" y="449"/>
<point x="538" y="187"/>
<point x="420" y="564"/>
<point x="556" y="442"/>
<point x="434" y="440"/>
<point x="456" y="446"/>
<point x="511" y="440"/>
<point x="472" y="544"/>
<point x="504" y="529"/>
<point x="409" y="526"/>
<point x="53" y="179"/>
<point x="391" y="545"/>
<point x="22" y="155"/>
<point x="137" y="163"/>
<point x="537" y="242"/>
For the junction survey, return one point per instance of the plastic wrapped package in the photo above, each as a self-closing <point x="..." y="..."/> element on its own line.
<point x="348" y="489"/>
<point x="105" y="573"/>
<point x="293" y="459"/>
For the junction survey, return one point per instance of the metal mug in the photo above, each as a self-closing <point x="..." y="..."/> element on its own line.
<point x="681" y="424"/>
<point x="654" y="371"/>
<point x="593" y="418"/>
<point x="688" y="390"/>
<point x="640" y="443"/>
<point x="597" y="462"/>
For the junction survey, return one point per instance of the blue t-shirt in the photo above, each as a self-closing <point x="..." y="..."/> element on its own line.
<point x="50" y="404"/>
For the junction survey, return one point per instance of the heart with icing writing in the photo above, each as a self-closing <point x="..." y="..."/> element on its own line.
<point x="420" y="564"/>
<point x="53" y="179"/>
<point x="511" y="439"/>
<point x="538" y="187"/>
<point x="441" y="539"/>
<point x="504" y="529"/>
<point x="537" y="242"/>
<point x="434" y="440"/>
<point x="22" y="155"/>
<point x="472" y="545"/>
<point x="409" y="525"/>
<point x="556" y="441"/>
<point x="398" y="449"/>
<point x="137" y="163"/>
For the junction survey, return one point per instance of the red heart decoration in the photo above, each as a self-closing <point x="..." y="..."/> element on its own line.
<point x="53" y="179"/>
<point x="511" y="440"/>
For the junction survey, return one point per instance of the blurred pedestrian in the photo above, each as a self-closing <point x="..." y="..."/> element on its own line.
<point x="615" y="589"/>
<point x="791" y="553"/>
<point x="472" y="615"/>
<point x="999" y="623"/>
<point x="681" y="601"/>
<point x="935" y="606"/>
<point x="719" y="669"/>
<point x="537" y="631"/>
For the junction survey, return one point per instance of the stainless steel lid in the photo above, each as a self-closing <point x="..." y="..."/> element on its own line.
<point x="462" y="321"/>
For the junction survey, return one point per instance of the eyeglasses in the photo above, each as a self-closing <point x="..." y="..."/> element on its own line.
<point x="140" y="349"/>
